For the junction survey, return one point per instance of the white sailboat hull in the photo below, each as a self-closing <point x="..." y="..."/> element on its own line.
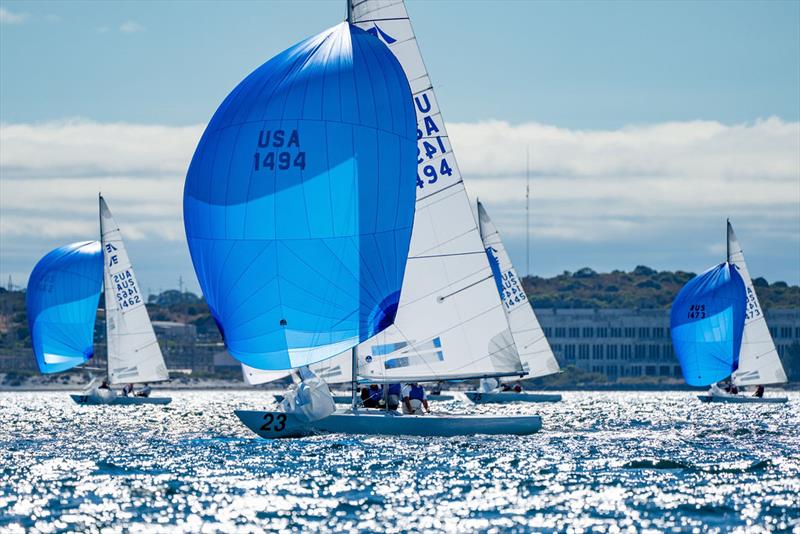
<point x="347" y="399"/>
<point x="272" y="425"/>
<point x="91" y="400"/>
<point x="742" y="399"/>
<point x="501" y="397"/>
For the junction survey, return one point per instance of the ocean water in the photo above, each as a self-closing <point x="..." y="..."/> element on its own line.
<point x="602" y="462"/>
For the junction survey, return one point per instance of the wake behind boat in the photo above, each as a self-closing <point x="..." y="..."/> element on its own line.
<point x="273" y="424"/>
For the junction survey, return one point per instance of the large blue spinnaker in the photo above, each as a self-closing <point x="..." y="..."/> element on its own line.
<point x="706" y="322"/>
<point x="299" y="201"/>
<point x="61" y="300"/>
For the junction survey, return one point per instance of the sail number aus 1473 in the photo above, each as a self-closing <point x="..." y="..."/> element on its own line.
<point x="697" y="311"/>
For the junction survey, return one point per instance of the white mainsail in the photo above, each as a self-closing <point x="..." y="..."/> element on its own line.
<point x="534" y="351"/>
<point x="133" y="351"/>
<point x="759" y="363"/>
<point x="450" y="321"/>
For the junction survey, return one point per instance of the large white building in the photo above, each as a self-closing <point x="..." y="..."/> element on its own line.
<point x="631" y="343"/>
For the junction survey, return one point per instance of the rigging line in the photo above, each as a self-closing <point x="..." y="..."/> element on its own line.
<point x="460" y="181"/>
<point x="445" y="255"/>
<point x="441" y="299"/>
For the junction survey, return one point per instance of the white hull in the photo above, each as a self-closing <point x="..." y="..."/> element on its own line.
<point x="120" y="401"/>
<point x="501" y="397"/>
<point x="742" y="399"/>
<point x="346" y="399"/>
<point x="271" y="424"/>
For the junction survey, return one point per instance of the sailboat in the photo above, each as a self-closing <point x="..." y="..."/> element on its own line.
<point x="62" y="299"/>
<point x="534" y="351"/>
<point x="720" y="333"/>
<point x="450" y="323"/>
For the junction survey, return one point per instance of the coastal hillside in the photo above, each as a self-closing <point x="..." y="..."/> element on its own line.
<point x="641" y="288"/>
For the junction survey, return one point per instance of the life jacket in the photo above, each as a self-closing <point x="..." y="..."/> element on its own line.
<point x="375" y="394"/>
<point x="416" y="393"/>
<point x="394" y="389"/>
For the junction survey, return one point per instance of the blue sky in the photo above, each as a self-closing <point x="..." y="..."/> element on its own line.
<point x="584" y="85"/>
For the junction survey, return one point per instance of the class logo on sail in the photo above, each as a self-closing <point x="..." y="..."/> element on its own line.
<point x="380" y="34"/>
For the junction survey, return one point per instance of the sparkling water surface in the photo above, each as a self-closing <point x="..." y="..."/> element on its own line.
<point x="602" y="462"/>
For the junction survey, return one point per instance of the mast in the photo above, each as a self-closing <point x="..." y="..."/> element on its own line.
<point x="105" y="288"/>
<point x="527" y="212"/>
<point x="727" y="240"/>
<point x="349" y="11"/>
<point x="354" y="372"/>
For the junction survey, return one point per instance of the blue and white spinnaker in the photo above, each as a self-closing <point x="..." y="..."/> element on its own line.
<point x="706" y="323"/>
<point x="299" y="201"/>
<point x="61" y="301"/>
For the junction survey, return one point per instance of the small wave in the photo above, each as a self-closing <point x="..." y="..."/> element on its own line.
<point x="656" y="464"/>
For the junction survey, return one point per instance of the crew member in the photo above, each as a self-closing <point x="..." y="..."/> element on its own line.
<point x="127" y="389"/>
<point x="393" y="395"/>
<point x="371" y="397"/>
<point x="759" y="392"/>
<point x="414" y="399"/>
<point x="145" y="391"/>
<point x="104" y="385"/>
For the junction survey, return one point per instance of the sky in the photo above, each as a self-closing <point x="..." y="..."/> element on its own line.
<point x="647" y="123"/>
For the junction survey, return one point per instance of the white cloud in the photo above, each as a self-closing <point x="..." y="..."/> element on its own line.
<point x="131" y="26"/>
<point x="9" y="17"/>
<point x="600" y="184"/>
<point x="666" y="185"/>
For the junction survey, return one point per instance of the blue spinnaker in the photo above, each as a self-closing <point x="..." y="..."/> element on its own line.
<point x="706" y="322"/>
<point x="61" y="300"/>
<point x="299" y="201"/>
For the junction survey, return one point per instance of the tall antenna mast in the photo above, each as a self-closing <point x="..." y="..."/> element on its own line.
<point x="527" y="211"/>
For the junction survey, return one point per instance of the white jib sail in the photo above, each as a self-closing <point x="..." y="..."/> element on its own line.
<point x="133" y="351"/>
<point x="450" y="322"/>
<point x="759" y="363"/>
<point x="534" y="351"/>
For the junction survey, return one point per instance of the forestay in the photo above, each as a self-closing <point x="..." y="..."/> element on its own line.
<point x="706" y="324"/>
<point x="61" y="303"/>
<point x="759" y="362"/>
<point x="299" y="201"/>
<point x="133" y="351"/>
<point x="534" y="351"/>
<point x="450" y="323"/>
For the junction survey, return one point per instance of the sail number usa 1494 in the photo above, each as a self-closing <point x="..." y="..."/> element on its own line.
<point x="279" y="150"/>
